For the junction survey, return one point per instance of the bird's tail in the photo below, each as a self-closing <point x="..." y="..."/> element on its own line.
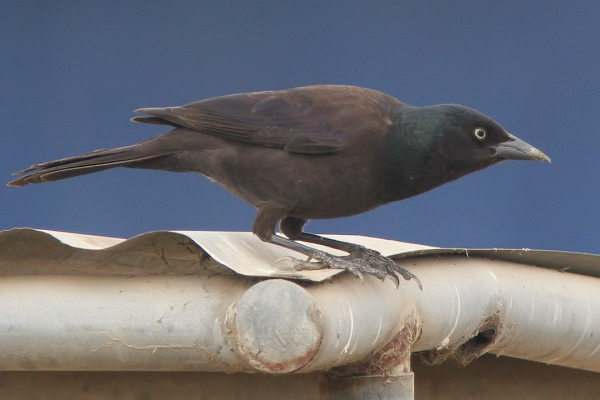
<point x="129" y="156"/>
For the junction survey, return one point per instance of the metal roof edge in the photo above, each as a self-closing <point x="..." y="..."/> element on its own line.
<point x="579" y="263"/>
<point x="178" y="252"/>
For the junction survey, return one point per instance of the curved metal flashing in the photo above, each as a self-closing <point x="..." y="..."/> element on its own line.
<point x="190" y="252"/>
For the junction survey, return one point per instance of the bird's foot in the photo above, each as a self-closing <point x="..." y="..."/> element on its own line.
<point x="360" y="260"/>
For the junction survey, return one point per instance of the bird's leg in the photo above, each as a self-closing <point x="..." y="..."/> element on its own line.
<point x="331" y="243"/>
<point x="360" y="260"/>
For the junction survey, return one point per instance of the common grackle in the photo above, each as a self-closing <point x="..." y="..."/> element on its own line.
<point x="313" y="152"/>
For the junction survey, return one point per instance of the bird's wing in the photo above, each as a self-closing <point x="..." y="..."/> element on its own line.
<point x="308" y="120"/>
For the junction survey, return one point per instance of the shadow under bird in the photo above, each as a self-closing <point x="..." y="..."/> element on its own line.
<point x="314" y="152"/>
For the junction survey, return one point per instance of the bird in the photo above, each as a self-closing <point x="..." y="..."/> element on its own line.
<point x="312" y="152"/>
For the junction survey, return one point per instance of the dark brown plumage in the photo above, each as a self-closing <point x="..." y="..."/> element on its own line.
<point x="310" y="153"/>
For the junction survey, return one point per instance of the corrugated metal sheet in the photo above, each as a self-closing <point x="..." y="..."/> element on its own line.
<point x="42" y="251"/>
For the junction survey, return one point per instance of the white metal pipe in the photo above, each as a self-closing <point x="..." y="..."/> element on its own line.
<point x="538" y="314"/>
<point x="204" y="323"/>
<point x="116" y="323"/>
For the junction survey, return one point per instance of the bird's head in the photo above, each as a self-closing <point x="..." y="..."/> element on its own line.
<point x="469" y="139"/>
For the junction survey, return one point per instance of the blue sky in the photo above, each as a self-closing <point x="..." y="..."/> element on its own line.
<point x="74" y="71"/>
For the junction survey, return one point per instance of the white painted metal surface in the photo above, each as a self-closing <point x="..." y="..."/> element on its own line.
<point x="170" y="301"/>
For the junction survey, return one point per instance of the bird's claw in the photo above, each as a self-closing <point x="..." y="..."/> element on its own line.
<point x="359" y="261"/>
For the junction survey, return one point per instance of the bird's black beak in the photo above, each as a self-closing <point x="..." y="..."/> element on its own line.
<point x="516" y="149"/>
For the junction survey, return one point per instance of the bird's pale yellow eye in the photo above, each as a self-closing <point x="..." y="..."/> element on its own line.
<point x="480" y="134"/>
